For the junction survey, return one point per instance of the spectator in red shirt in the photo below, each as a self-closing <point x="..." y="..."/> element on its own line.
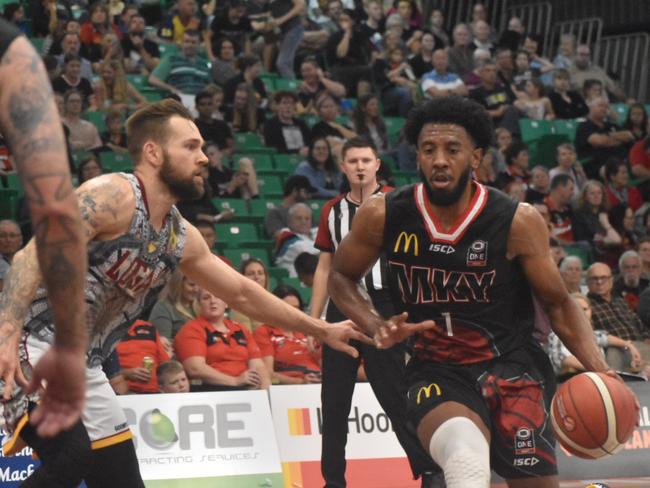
<point x="93" y="31"/>
<point x="222" y="354"/>
<point x="639" y="157"/>
<point x="558" y="202"/>
<point x="141" y="341"/>
<point x="288" y="355"/>
<point x="619" y="192"/>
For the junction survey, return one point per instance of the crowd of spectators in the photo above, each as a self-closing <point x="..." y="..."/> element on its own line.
<point x="300" y="77"/>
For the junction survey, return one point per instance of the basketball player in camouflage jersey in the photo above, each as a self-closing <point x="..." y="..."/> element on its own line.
<point x="468" y="258"/>
<point x="136" y="238"/>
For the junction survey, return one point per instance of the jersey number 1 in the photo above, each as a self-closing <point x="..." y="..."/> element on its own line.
<point x="447" y="317"/>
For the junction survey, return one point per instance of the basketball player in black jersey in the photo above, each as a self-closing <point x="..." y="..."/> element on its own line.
<point x="467" y="258"/>
<point x="30" y="123"/>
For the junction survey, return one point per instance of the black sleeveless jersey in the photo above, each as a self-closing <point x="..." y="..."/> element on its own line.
<point x="460" y="278"/>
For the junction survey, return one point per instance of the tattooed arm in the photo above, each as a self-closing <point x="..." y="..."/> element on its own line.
<point x="30" y="123"/>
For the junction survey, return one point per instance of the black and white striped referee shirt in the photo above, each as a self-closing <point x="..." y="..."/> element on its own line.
<point x="335" y="222"/>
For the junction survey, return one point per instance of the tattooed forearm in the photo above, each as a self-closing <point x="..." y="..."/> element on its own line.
<point x="20" y="286"/>
<point x="32" y="127"/>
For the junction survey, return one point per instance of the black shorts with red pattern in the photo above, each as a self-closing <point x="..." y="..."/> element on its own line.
<point x="512" y="394"/>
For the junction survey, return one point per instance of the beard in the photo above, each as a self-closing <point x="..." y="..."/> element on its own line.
<point x="182" y="189"/>
<point x="445" y="198"/>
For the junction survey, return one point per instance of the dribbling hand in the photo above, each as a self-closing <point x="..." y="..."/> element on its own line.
<point x="61" y="373"/>
<point x="10" y="370"/>
<point x="396" y="329"/>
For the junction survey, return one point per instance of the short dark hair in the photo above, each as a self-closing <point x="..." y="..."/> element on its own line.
<point x="168" y="367"/>
<point x="151" y="122"/>
<point x="277" y="98"/>
<point x="68" y="58"/>
<point x="248" y="60"/>
<point x="282" y="291"/>
<point x="456" y="110"/>
<point x="358" y="142"/>
<point x="513" y="150"/>
<point x="305" y="263"/>
<point x="297" y="182"/>
<point x="201" y="96"/>
<point x="560" y="180"/>
<point x="612" y="166"/>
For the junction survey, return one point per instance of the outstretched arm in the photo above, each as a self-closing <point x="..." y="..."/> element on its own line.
<point x="528" y="241"/>
<point x="246" y="296"/>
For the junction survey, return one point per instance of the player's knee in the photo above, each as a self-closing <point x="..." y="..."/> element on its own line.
<point x="462" y="451"/>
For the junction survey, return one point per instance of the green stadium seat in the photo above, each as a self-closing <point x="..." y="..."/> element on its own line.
<point x="394" y="124"/>
<point x="270" y="185"/>
<point x="310" y="119"/>
<point x="245" y="141"/>
<point x="38" y="42"/>
<point x="304" y="291"/>
<point x="287" y="162"/>
<point x="97" y="119"/>
<point x="316" y="206"/>
<point x="139" y="82"/>
<point x="534" y="130"/>
<point x="546" y="153"/>
<point x="269" y="80"/>
<point x="260" y="206"/>
<point x="582" y="252"/>
<point x="237" y="205"/>
<point x="621" y="109"/>
<point x="232" y="235"/>
<point x="566" y="127"/>
<point x="261" y="161"/>
<point x="241" y="254"/>
<point x="14" y="183"/>
<point x="402" y="180"/>
<point x="153" y="95"/>
<point x="9" y="203"/>
<point x="278" y="273"/>
<point x="282" y="84"/>
<point x="344" y="120"/>
<point x="114" y="162"/>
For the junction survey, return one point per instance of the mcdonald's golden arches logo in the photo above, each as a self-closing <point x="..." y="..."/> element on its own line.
<point x="408" y="238"/>
<point x="426" y="391"/>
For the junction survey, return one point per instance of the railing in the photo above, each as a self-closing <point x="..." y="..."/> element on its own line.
<point x="536" y="18"/>
<point x="627" y="56"/>
<point x="585" y="31"/>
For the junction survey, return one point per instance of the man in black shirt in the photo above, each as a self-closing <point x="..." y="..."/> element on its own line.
<point x="598" y="140"/>
<point x="250" y="67"/>
<point x="495" y="98"/>
<point x="232" y="23"/>
<point x="348" y="53"/>
<point x="139" y="53"/>
<point x="284" y="132"/>
<point x="212" y="130"/>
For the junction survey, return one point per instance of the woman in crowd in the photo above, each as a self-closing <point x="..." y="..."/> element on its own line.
<point x="533" y="104"/>
<point x="564" y="363"/>
<point x="619" y="191"/>
<point x="321" y="169"/>
<point x="224" y="65"/>
<point x="637" y="121"/>
<point x="244" y="115"/>
<point x="568" y="164"/>
<point x="71" y="79"/>
<point x="327" y="126"/>
<point x="219" y="352"/>
<point x="88" y="168"/>
<point x="95" y="28"/>
<point x="567" y="104"/>
<point x="422" y="62"/>
<point x="174" y="308"/>
<point x="369" y="123"/>
<point x="114" y="138"/>
<point x="225" y="182"/>
<point x="113" y="90"/>
<point x="591" y="222"/>
<point x="255" y="270"/>
<point x="83" y="134"/>
<point x="288" y="355"/>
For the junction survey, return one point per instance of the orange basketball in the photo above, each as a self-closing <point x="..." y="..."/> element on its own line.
<point x="593" y="415"/>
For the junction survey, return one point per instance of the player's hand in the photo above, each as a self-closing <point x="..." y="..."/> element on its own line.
<point x="396" y="329"/>
<point x="10" y="370"/>
<point x="613" y="374"/>
<point x="250" y="377"/>
<point x="64" y="372"/>
<point x="338" y="336"/>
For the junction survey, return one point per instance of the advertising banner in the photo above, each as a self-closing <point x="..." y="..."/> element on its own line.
<point x="374" y="457"/>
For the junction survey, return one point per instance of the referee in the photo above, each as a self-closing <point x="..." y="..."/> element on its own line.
<point x="384" y="367"/>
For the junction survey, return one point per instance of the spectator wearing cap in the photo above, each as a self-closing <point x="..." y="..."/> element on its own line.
<point x="285" y="132"/>
<point x="250" y="67"/>
<point x="184" y="71"/>
<point x="297" y="189"/>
